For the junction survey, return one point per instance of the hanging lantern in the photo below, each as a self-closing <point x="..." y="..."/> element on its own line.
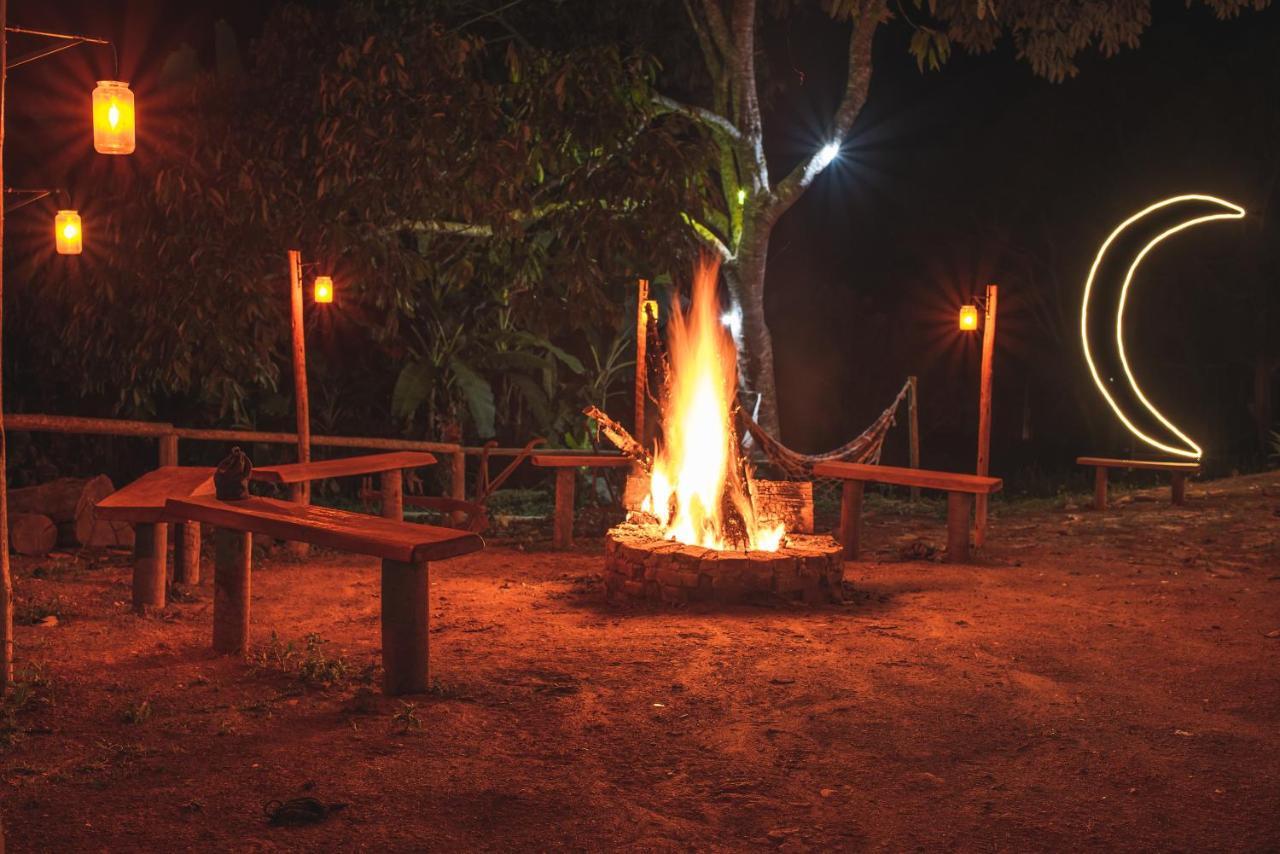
<point x="113" y="129"/>
<point x="324" y="289"/>
<point x="67" y="234"/>
<point x="968" y="318"/>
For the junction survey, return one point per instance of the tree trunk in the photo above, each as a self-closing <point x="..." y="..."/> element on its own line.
<point x="745" y="277"/>
<point x="70" y="502"/>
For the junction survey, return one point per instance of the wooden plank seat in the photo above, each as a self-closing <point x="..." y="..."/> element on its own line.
<point x="405" y="549"/>
<point x="142" y="504"/>
<point x="390" y="466"/>
<point x="566" y="464"/>
<point x="960" y="489"/>
<point x="1101" y="465"/>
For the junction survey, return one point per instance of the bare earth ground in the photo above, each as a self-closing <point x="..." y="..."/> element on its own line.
<point x="1101" y="681"/>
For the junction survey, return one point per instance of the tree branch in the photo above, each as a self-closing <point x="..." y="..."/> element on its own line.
<point x="708" y="237"/>
<point x="858" y="81"/>
<point x="713" y="121"/>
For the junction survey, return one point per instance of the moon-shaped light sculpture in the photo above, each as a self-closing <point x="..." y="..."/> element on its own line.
<point x="1193" y="212"/>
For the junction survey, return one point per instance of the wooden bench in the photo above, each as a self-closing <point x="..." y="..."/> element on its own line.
<point x="960" y="489"/>
<point x="405" y="550"/>
<point x="1102" y="464"/>
<point x="390" y="466"/>
<point x="566" y="464"/>
<point x="141" y="503"/>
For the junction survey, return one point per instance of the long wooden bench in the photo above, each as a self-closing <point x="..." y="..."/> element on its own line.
<point x="405" y="549"/>
<point x="1101" y="466"/>
<point x="566" y="464"/>
<point x="960" y="489"/>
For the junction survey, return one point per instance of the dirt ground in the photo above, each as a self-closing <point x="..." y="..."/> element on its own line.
<point x="1100" y="681"/>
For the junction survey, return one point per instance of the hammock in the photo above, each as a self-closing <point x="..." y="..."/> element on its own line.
<point x="865" y="448"/>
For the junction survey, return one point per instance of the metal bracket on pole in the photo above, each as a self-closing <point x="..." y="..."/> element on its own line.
<point x="71" y="39"/>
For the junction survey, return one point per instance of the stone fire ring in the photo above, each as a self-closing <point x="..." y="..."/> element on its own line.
<point x="640" y="564"/>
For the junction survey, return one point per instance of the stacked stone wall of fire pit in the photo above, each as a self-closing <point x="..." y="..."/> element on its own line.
<point x="640" y="564"/>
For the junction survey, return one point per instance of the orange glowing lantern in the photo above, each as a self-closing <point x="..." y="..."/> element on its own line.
<point x="67" y="234"/>
<point x="113" y="128"/>
<point x="968" y="318"/>
<point x="324" y="289"/>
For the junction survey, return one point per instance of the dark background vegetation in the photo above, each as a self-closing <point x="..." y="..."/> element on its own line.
<point x="980" y="172"/>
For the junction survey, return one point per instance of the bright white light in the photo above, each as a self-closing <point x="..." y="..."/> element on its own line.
<point x="732" y="320"/>
<point x="827" y="153"/>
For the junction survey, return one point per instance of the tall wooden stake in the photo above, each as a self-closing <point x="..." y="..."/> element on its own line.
<point x="642" y="368"/>
<point x="984" y="413"/>
<point x="6" y="578"/>
<point x="913" y="418"/>
<point x="301" y="492"/>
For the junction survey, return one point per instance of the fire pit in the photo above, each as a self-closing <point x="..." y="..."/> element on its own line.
<point x="704" y="528"/>
<point x="641" y="564"/>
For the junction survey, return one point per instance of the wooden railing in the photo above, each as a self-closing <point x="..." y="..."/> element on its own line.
<point x="169" y="437"/>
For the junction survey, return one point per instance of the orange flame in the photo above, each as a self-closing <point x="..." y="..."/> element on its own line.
<point x="697" y="469"/>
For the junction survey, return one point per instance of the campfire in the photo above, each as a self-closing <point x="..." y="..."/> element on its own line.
<point x="704" y="527"/>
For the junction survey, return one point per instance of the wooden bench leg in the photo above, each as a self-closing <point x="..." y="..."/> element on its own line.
<point x="851" y="518"/>
<point x="1100" y="488"/>
<point x="150" y="542"/>
<point x="232" y="565"/>
<point x="563" y="535"/>
<point x="393" y="495"/>
<point x="1179" y="488"/>
<point x="959" y="505"/>
<point x="186" y="553"/>
<point x="404" y="627"/>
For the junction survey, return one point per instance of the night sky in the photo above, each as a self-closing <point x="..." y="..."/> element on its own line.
<point x="979" y="173"/>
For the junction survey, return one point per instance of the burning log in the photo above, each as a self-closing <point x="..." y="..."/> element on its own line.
<point x="619" y="436"/>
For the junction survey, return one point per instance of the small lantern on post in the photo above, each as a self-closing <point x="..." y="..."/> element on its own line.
<point x="968" y="318"/>
<point x="113" y="118"/>
<point x="68" y="236"/>
<point x="323" y="290"/>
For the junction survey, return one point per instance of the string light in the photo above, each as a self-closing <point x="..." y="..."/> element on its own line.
<point x="1232" y="211"/>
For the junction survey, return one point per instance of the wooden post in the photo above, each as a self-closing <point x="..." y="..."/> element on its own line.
<point x="984" y="414"/>
<point x="186" y="553"/>
<point x="913" y="419"/>
<point x="300" y="492"/>
<point x="148" y="566"/>
<point x="393" y="495"/>
<point x="642" y="370"/>
<point x="959" y="505"/>
<point x="232" y="568"/>
<point x="851" y="518"/>
<point x="1100" y="488"/>
<point x="6" y="576"/>
<point x="405" y="617"/>
<point x="1179" y="487"/>
<point x="458" y="485"/>
<point x="563" y="534"/>
<point x="168" y="456"/>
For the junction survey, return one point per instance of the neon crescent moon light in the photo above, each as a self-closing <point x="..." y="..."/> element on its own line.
<point x="1220" y="209"/>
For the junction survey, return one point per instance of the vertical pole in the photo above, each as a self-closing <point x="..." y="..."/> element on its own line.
<point x="913" y="414"/>
<point x="148" y="566"/>
<point x="6" y="578"/>
<point x="393" y="495"/>
<point x="984" y="414"/>
<point x="642" y="372"/>
<point x="232" y="568"/>
<point x="458" y="486"/>
<point x="168" y="456"/>
<point x="301" y="492"/>
<point x="186" y="535"/>
<point x="1100" y="488"/>
<point x="959" y="505"/>
<point x="562" y="534"/>
<point x="851" y="518"/>
<point x="405" y="627"/>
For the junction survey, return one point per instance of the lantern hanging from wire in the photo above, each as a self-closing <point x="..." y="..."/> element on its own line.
<point x="113" y="118"/>
<point x="68" y="236"/>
